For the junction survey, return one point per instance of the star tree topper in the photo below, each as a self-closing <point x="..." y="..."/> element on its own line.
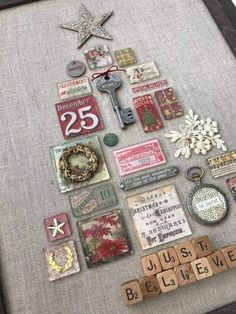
<point x="88" y="25"/>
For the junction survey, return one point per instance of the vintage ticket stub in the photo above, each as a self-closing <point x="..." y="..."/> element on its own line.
<point x="148" y="114"/>
<point x="222" y="165"/>
<point x="142" y="72"/>
<point x="144" y="88"/>
<point x="139" y="157"/>
<point x="90" y="200"/>
<point x="158" y="217"/>
<point x="79" y="116"/>
<point x="231" y="182"/>
<point x="74" y="88"/>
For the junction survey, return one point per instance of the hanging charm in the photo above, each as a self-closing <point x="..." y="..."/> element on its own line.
<point x="88" y="25"/>
<point x="206" y="202"/>
<point x="196" y="135"/>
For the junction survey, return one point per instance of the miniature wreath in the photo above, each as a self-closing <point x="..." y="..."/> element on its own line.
<point x="65" y="166"/>
<point x="68" y="265"/>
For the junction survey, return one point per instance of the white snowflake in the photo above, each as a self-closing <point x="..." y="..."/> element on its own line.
<point x="196" y="135"/>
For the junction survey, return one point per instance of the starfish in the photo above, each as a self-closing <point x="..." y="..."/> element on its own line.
<point x="88" y="25"/>
<point x="57" y="228"/>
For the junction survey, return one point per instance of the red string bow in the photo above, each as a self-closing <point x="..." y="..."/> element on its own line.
<point x="113" y="68"/>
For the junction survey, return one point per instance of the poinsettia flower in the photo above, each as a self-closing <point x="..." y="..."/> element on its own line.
<point x="112" y="220"/>
<point x="111" y="248"/>
<point x="96" y="232"/>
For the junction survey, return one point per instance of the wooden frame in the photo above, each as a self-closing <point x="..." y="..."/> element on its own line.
<point x="224" y="14"/>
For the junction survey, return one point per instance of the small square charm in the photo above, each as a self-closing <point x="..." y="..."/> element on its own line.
<point x="79" y="116"/>
<point x="104" y="238"/>
<point x="125" y="57"/>
<point x="231" y="182"/>
<point x="169" y="104"/>
<point x="158" y="217"/>
<point x="79" y="163"/>
<point x="148" y="114"/>
<point x="98" y="57"/>
<point x="74" y="88"/>
<point x="57" y="227"/>
<point x="142" y="72"/>
<point x="61" y="260"/>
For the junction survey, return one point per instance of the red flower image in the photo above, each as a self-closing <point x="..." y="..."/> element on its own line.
<point x="112" y="220"/>
<point x="96" y="232"/>
<point x="110" y="248"/>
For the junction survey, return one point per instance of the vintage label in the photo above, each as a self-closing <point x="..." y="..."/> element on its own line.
<point x="144" y="88"/>
<point x="148" y="114"/>
<point x="142" y="72"/>
<point x="169" y="104"/>
<point x="158" y="217"/>
<point x="231" y="182"/>
<point x="93" y="199"/>
<point x="79" y="116"/>
<point x="74" y="88"/>
<point x="222" y="165"/>
<point x="139" y="157"/>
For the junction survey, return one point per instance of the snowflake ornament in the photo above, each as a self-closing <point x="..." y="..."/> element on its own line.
<point x="196" y="135"/>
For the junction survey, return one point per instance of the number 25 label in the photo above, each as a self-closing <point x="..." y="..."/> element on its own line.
<point x="79" y="116"/>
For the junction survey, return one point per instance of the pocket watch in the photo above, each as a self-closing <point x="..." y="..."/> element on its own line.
<point x="206" y="203"/>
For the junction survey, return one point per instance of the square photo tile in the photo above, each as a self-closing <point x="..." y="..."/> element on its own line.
<point x="104" y="238"/>
<point x="61" y="260"/>
<point x="98" y="57"/>
<point x="57" y="227"/>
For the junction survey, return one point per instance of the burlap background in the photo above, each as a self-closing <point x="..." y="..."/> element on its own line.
<point x="192" y="54"/>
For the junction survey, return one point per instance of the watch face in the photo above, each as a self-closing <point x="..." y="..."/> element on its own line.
<point x="207" y="204"/>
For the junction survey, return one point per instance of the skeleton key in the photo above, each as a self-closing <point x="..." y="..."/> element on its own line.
<point x="109" y="84"/>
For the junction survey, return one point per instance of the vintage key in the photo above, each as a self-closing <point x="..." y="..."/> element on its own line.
<point x="109" y="84"/>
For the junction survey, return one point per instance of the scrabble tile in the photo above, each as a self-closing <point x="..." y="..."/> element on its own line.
<point x="151" y="264"/>
<point x="217" y="262"/>
<point x="202" y="246"/>
<point x="168" y="258"/>
<point x="149" y="286"/>
<point x="167" y="280"/>
<point x="201" y="268"/>
<point x="184" y="274"/>
<point x="132" y="292"/>
<point x="185" y="252"/>
<point x="229" y="253"/>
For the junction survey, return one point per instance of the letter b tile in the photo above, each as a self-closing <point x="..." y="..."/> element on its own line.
<point x="132" y="292"/>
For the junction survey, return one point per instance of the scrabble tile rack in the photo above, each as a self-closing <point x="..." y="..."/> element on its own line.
<point x="174" y="267"/>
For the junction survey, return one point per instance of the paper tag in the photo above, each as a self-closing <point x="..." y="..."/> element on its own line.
<point x="142" y="72"/>
<point x="139" y="157"/>
<point x="158" y="217"/>
<point x="74" y="88"/>
<point x="148" y="114"/>
<point x="146" y="87"/>
<point x="79" y="116"/>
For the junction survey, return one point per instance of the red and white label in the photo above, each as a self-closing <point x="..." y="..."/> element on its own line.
<point x="139" y="157"/>
<point x="79" y="116"/>
<point x="149" y="86"/>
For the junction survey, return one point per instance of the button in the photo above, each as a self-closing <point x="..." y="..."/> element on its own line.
<point x="110" y="139"/>
<point x="75" y="68"/>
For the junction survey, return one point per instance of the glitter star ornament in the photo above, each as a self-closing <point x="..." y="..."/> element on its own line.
<point x="88" y="25"/>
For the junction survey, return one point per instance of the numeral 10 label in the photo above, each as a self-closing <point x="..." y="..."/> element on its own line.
<point x="79" y="116"/>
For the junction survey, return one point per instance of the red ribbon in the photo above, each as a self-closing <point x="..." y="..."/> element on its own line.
<point x="113" y="68"/>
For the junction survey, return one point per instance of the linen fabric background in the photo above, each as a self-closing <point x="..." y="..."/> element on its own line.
<point x="182" y="38"/>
